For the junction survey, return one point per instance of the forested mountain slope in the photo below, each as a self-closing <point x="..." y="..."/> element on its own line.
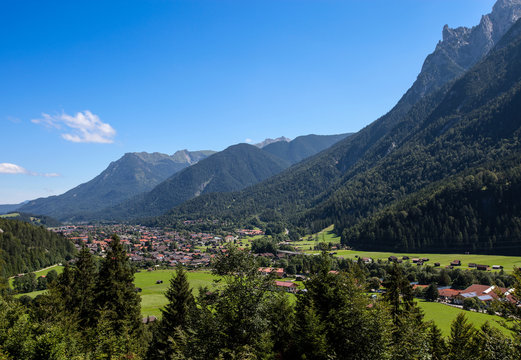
<point x="476" y="122"/>
<point x="25" y="247"/>
<point x="477" y="211"/>
<point x="465" y="124"/>
<point x="302" y="147"/>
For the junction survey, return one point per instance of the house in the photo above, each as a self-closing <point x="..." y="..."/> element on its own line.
<point x="436" y="264"/>
<point x="497" y="267"/>
<point x="405" y="258"/>
<point x="488" y="293"/>
<point x="455" y="263"/>
<point x="392" y="258"/>
<point x="287" y="286"/>
<point x="279" y="272"/>
<point x="367" y="260"/>
<point x="448" y="295"/>
<point x="483" y="267"/>
<point x="472" y="265"/>
<point x="415" y="260"/>
<point x="149" y="319"/>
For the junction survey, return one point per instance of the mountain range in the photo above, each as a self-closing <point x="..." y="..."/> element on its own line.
<point x="458" y="119"/>
<point x="144" y="184"/>
<point x="132" y="174"/>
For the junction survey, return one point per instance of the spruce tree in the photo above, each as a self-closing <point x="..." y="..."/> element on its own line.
<point x="84" y="287"/>
<point x="180" y="302"/>
<point x="115" y="290"/>
<point x="460" y="340"/>
<point x="437" y="345"/>
<point x="175" y="317"/>
<point x="431" y="293"/>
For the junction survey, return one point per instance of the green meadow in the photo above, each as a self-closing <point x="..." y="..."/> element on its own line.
<point x="152" y="294"/>
<point x="11" y="215"/>
<point x="508" y="262"/>
<point x="443" y="315"/>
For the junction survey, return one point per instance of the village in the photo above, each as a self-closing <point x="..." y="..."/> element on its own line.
<point x="154" y="247"/>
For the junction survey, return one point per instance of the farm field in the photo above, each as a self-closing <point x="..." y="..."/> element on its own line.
<point x="508" y="262"/>
<point x="443" y="315"/>
<point x="152" y="294"/>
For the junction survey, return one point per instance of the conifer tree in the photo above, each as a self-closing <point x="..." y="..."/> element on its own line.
<point x="460" y="341"/>
<point x="84" y="285"/>
<point x="116" y="295"/>
<point x="180" y="301"/>
<point x="175" y="317"/>
<point x="437" y="345"/>
<point x="492" y="344"/>
<point x="431" y="293"/>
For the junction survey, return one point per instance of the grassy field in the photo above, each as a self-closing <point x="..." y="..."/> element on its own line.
<point x="39" y="273"/>
<point x="308" y="243"/>
<point x="443" y="315"/>
<point x="508" y="262"/>
<point x="152" y="296"/>
<point x="11" y="215"/>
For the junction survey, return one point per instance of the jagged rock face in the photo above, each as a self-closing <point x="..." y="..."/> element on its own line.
<point x="461" y="48"/>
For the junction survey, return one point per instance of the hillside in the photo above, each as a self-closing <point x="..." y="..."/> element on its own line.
<point x="477" y="212"/>
<point x="463" y="124"/>
<point x="7" y="208"/>
<point x="132" y="174"/>
<point x="302" y="147"/>
<point x="25" y="247"/>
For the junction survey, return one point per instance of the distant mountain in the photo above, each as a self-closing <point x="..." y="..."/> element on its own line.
<point x="232" y="169"/>
<point x="458" y="122"/>
<point x="7" y="208"/>
<point x="268" y="141"/>
<point x="132" y="174"/>
<point x="302" y="147"/>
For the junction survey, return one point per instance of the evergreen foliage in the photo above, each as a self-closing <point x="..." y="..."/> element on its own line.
<point x="25" y="247"/>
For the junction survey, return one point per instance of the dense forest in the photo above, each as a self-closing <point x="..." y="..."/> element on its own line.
<point x="25" y="247"/>
<point x="478" y="212"/>
<point x="38" y="220"/>
<point x="93" y="312"/>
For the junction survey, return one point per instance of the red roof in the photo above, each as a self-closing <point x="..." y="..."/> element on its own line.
<point x="285" y="284"/>
<point x="449" y="292"/>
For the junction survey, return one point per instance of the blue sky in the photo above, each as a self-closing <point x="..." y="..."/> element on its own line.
<point x="83" y="82"/>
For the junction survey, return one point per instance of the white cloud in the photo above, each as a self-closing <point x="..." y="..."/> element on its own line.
<point x="248" y="141"/>
<point x="8" y="168"/>
<point x="84" y="127"/>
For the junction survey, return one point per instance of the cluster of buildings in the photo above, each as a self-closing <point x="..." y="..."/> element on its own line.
<point x="152" y="246"/>
<point x="485" y="293"/>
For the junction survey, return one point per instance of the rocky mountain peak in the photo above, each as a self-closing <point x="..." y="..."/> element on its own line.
<point x="460" y="49"/>
<point x="268" y="141"/>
